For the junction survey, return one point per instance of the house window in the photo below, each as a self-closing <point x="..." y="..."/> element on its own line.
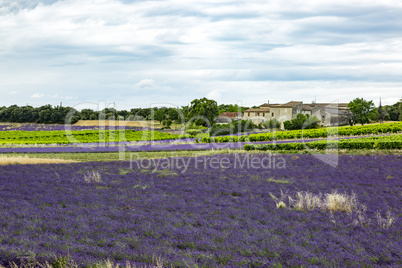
<point x="263" y="114"/>
<point x="248" y="113"/>
<point x="272" y="114"/>
<point x="258" y="114"/>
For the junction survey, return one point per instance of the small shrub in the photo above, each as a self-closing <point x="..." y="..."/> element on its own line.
<point x="272" y="124"/>
<point x="193" y="132"/>
<point x="341" y="202"/>
<point x="305" y="201"/>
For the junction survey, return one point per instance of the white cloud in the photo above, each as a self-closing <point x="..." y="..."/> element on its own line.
<point x="146" y="83"/>
<point x="215" y="95"/>
<point x="37" y="95"/>
<point x="227" y="49"/>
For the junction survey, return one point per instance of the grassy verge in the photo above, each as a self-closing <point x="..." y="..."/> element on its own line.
<point x="25" y="160"/>
<point x="105" y="157"/>
<point x="115" y="156"/>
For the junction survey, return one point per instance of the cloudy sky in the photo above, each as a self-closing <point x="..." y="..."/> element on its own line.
<point x="145" y="53"/>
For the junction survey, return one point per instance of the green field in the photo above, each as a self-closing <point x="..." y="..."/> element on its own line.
<point x="86" y="136"/>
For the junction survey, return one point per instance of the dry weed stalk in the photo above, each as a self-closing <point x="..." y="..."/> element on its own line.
<point x="386" y="222"/>
<point x="306" y="201"/>
<point x="93" y="176"/>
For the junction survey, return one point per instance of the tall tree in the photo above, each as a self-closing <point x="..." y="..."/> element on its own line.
<point x="203" y="112"/>
<point x="361" y="110"/>
<point x="381" y="112"/>
<point x="159" y="115"/>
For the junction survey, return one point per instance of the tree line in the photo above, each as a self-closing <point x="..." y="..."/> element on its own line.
<point x="48" y="114"/>
<point x="201" y="112"/>
<point x="363" y="111"/>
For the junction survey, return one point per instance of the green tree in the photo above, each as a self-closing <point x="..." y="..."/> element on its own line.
<point x="232" y="128"/>
<point x="85" y="114"/>
<point x="159" y="115"/>
<point x="375" y="114"/>
<point x="311" y="122"/>
<point x="45" y="114"/>
<point x="391" y="112"/>
<point x="93" y="116"/>
<point x="203" y="112"/>
<point x="122" y="114"/>
<point x="173" y="114"/>
<point x="167" y="123"/>
<point x="272" y="124"/>
<point x="302" y="122"/>
<point x="361" y="110"/>
<point x="400" y="109"/>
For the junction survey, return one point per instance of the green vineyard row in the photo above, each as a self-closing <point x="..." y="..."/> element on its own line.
<point x="311" y="133"/>
<point x="92" y="136"/>
<point x="380" y="142"/>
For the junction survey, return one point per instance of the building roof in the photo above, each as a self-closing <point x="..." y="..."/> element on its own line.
<point x="230" y="114"/>
<point x="289" y="104"/>
<point x="332" y="105"/>
<point x="262" y="109"/>
<point x="327" y="106"/>
<point x="307" y="107"/>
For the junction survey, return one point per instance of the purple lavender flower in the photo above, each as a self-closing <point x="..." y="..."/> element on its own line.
<point x="210" y="211"/>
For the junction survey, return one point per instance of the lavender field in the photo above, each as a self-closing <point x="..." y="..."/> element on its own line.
<point x="51" y="127"/>
<point x="211" y="211"/>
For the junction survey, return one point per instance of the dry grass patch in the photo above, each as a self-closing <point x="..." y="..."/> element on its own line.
<point x="25" y="160"/>
<point x="68" y="263"/>
<point x="333" y="202"/>
<point x="341" y="202"/>
<point x="307" y="201"/>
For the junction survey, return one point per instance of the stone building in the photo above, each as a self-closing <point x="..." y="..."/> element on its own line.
<point x="330" y="114"/>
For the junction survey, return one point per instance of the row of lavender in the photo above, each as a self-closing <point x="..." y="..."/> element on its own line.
<point x="212" y="211"/>
<point x="171" y="145"/>
<point x="53" y="127"/>
<point x="188" y="145"/>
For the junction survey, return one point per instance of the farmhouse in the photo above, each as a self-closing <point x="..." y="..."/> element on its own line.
<point x="330" y="114"/>
<point x="257" y="115"/>
<point x="266" y="112"/>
